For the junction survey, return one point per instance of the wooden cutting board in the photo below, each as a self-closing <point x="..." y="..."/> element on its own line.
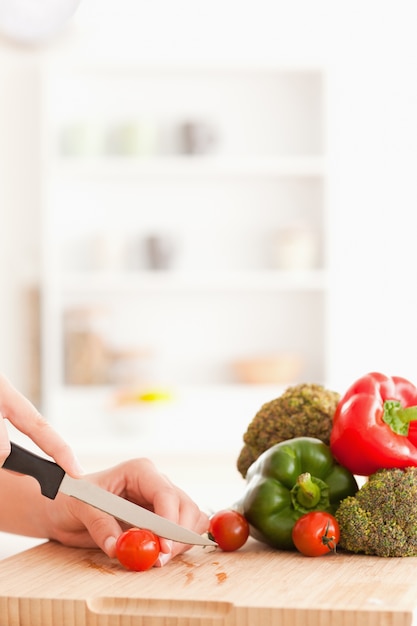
<point x="51" y="585"/>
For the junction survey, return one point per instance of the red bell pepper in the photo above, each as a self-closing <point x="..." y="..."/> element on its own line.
<point x="374" y="425"/>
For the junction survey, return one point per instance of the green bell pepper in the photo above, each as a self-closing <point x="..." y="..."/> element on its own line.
<point x="288" y="480"/>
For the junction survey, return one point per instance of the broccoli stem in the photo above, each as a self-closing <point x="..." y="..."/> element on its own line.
<point x="397" y="417"/>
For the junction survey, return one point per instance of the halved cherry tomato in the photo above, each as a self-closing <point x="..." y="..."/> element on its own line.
<point x="316" y="533"/>
<point x="229" y="529"/>
<point x="137" y="549"/>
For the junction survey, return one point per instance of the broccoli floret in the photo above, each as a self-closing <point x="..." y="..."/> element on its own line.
<point x="381" y="519"/>
<point x="304" y="410"/>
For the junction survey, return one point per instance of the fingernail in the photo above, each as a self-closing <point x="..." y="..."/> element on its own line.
<point x="169" y="543"/>
<point x="109" y="545"/>
<point x="78" y="468"/>
<point x="163" y="559"/>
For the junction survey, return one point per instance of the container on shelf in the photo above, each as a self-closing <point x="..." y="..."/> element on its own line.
<point x="82" y="138"/>
<point x="130" y="137"/>
<point x="129" y="365"/>
<point x="280" y="369"/>
<point x="86" y="357"/>
<point x="198" y="137"/>
<point x="160" y="251"/>
<point x="294" y="248"/>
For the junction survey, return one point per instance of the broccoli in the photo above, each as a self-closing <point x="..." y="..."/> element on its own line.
<point x="381" y="519"/>
<point x="304" y="410"/>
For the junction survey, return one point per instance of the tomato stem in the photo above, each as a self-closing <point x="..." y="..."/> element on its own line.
<point x="329" y="540"/>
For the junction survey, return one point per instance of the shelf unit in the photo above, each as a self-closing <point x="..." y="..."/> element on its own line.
<point x="117" y="170"/>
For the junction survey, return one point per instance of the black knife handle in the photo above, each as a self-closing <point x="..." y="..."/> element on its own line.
<point x="48" y="474"/>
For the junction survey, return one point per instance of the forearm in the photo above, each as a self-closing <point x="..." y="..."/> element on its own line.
<point x="22" y="510"/>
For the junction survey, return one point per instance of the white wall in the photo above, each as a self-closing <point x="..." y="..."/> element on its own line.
<point x="19" y="208"/>
<point x="370" y="50"/>
<point x="373" y="199"/>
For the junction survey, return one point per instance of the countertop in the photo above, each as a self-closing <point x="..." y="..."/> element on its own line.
<point x="55" y="586"/>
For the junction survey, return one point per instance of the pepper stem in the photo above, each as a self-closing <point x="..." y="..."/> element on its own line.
<point x="397" y="417"/>
<point x="308" y="493"/>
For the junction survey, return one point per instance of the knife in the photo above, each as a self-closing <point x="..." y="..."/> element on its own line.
<point x="53" y="479"/>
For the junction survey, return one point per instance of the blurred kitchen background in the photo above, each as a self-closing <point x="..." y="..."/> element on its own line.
<point x="200" y="204"/>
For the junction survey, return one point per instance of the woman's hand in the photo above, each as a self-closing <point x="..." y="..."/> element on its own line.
<point x="66" y="519"/>
<point x="74" y="523"/>
<point x="27" y="419"/>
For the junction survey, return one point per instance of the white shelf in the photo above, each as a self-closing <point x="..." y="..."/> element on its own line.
<point x="188" y="166"/>
<point x="166" y="281"/>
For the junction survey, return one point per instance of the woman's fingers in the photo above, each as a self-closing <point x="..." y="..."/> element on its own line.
<point x="138" y="480"/>
<point x="4" y="442"/>
<point x="26" y="418"/>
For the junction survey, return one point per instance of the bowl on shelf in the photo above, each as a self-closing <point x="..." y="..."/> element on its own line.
<point x="268" y="369"/>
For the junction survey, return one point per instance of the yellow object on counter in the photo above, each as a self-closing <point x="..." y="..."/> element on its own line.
<point x="137" y="396"/>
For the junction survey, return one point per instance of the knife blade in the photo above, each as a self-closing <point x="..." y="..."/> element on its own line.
<point x="53" y="479"/>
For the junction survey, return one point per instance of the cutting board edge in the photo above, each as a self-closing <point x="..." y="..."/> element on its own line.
<point x="100" y="611"/>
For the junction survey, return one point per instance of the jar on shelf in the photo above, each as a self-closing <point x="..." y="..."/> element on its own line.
<point x="132" y="137"/>
<point x="81" y="138"/>
<point x="129" y="365"/>
<point x="86" y="356"/>
<point x="294" y="247"/>
<point x="197" y="137"/>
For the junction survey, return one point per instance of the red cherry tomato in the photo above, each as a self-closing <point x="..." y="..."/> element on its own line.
<point x="316" y="533"/>
<point x="229" y="529"/>
<point x="137" y="549"/>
